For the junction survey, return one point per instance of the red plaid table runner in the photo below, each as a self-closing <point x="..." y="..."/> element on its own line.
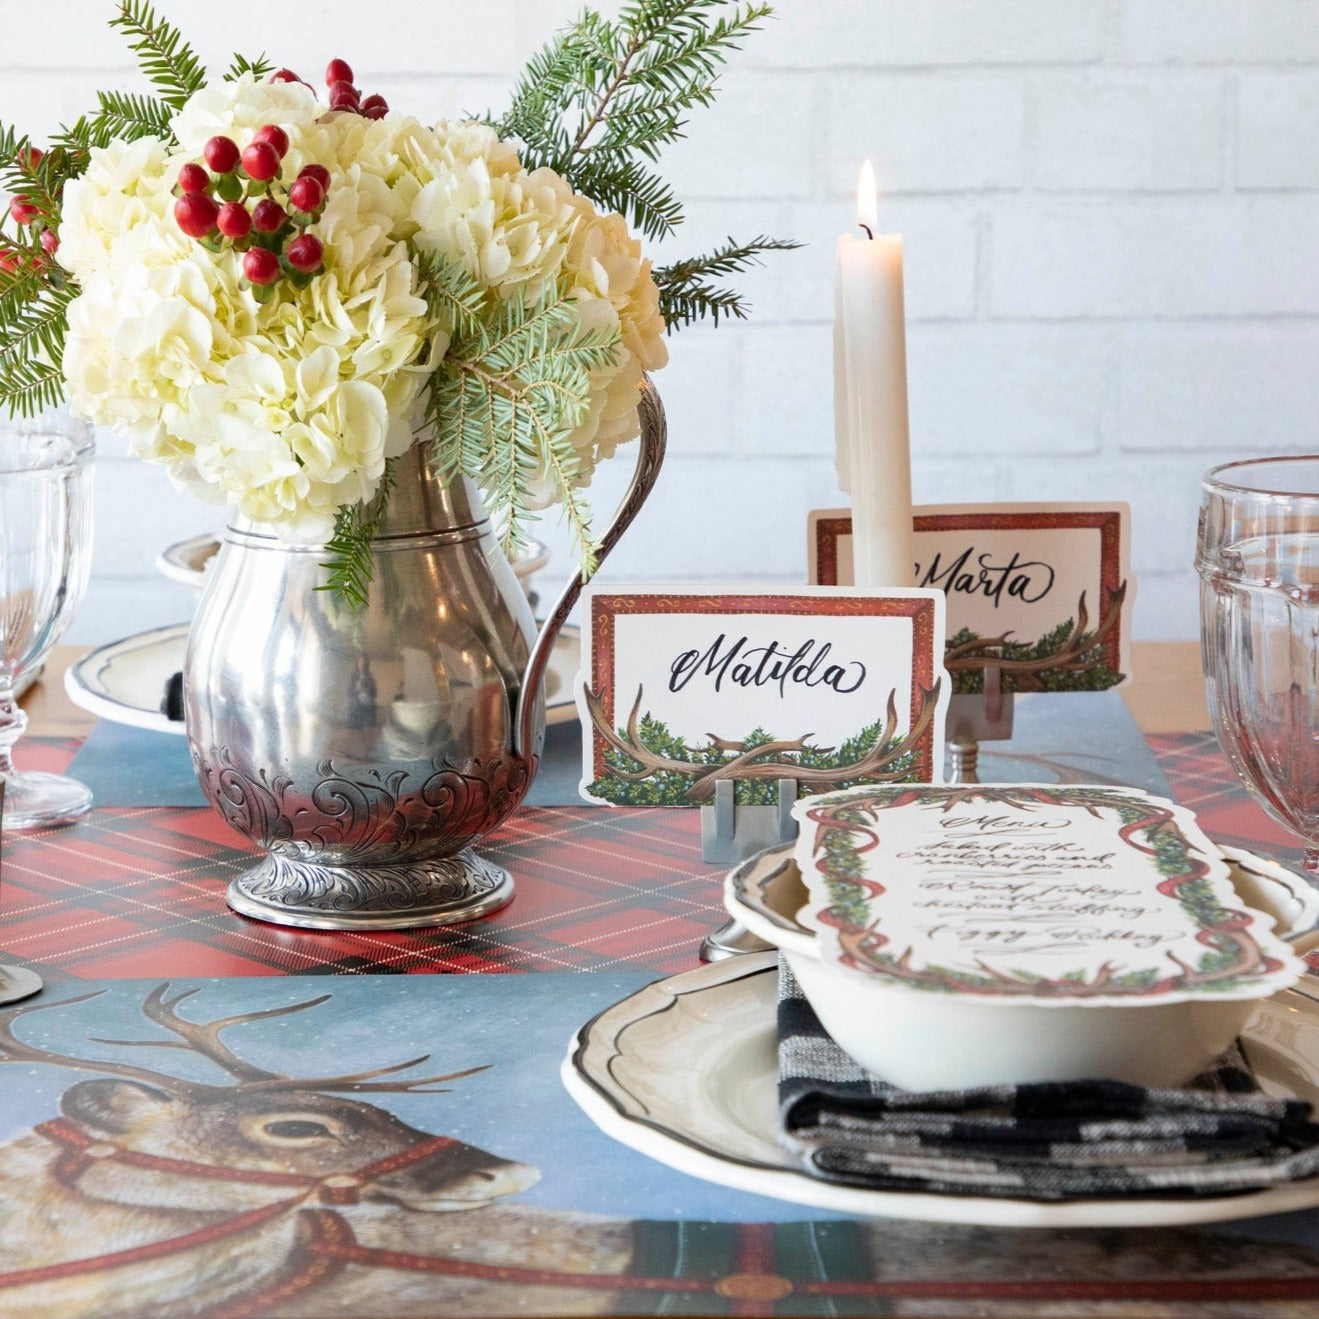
<point x="131" y="893"/>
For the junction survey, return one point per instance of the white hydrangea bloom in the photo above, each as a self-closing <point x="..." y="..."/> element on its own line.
<point x="237" y="109"/>
<point x="287" y="409"/>
<point x="119" y="191"/>
<point x="284" y="410"/>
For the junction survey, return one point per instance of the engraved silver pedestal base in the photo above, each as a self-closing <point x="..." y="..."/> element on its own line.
<point x="317" y="896"/>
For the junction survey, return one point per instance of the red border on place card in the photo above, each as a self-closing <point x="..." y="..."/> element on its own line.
<point x="830" y="526"/>
<point x="605" y="608"/>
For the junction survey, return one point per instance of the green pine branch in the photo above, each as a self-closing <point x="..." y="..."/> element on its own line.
<point x="604" y="95"/>
<point x="259" y="68"/>
<point x="168" y="62"/>
<point x="32" y="332"/>
<point x="454" y="298"/>
<point x="129" y="116"/>
<point x="686" y="293"/>
<point x="162" y="53"/>
<point x="86" y="133"/>
<point x="42" y="183"/>
<point x="35" y="291"/>
<point x="512" y="390"/>
<point x="626" y="186"/>
<point x="349" y="569"/>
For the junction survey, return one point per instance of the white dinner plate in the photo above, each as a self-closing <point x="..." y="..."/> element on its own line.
<point x="124" y="681"/>
<point x="686" y="1071"/>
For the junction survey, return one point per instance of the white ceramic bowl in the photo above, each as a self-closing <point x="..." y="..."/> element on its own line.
<point x="928" y="1041"/>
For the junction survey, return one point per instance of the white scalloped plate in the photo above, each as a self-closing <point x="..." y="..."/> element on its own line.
<point x="124" y="681"/>
<point x="685" y="1071"/>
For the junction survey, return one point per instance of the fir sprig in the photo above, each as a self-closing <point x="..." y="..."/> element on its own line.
<point x="604" y="96"/>
<point x="629" y="188"/>
<point x="454" y="298"/>
<point x="162" y="53"/>
<point x="513" y="390"/>
<point x="349" y="569"/>
<point x="686" y="293"/>
<point x="622" y="87"/>
<point x="259" y="68"/>
<point x="129" y="116"/>
<point x="35" y="292"/>
<point x="601" y="101"/>
<point x="32" y="331"/>
<point x="41" y="183"/>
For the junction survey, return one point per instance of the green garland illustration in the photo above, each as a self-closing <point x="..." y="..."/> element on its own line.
<point x="1068" y="658"/>
<point x="648" y="765"/>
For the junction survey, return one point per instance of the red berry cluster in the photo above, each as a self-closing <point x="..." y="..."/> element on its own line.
<point x="229" y="201"/>
<point x="344" y="94"/>
<point x="26" y="215"/>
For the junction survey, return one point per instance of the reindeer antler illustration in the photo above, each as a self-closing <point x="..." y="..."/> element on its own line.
<point x="203" y="1039"/>
<point x="12" y="1049"/>
<point x="766" y="760"/>
<point x="978" y="652"/>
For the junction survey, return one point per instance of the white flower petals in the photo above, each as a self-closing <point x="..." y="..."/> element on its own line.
<point x="288" y="409"/>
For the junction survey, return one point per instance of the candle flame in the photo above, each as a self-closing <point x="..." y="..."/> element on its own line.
<point x="867" y="204"/>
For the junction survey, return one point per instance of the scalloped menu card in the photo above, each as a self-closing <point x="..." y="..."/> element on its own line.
<point x="1076" y="894"/>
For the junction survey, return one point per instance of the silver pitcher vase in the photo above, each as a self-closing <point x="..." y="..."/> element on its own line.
<point x="366" y="752"/>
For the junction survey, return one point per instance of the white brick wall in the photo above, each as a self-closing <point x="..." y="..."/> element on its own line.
<point x="1111" y="210"/>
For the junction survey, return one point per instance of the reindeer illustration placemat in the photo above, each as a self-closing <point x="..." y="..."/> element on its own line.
<point x="682" y="688"/>
<point x="402" y="1147"/>
<point x="323" y="1080"/>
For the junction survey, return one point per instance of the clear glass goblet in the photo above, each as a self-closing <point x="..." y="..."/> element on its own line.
<point x="1257" y="553"/>
<point x="45" y="555"/>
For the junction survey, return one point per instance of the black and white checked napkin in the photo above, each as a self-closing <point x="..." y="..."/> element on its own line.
<point x="1045" y="1141"/>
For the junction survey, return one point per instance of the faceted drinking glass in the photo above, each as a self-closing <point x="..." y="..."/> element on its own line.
<point x="45" y="555"/>
<point x="1257" y="554"/>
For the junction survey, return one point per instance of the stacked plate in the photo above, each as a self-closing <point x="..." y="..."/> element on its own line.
<point x="685" y="1070"/>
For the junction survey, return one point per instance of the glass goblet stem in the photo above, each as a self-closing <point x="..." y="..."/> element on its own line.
<point x="13" y="722"/>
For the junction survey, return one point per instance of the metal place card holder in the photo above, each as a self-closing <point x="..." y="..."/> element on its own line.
<point x="732" y="833"/>
<point x="975" y="717"/>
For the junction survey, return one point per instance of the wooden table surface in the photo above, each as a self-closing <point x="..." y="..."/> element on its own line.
<point x="1165" y="693"/>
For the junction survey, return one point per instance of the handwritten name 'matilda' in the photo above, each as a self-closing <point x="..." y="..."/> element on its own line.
<point x="741" y="664"/>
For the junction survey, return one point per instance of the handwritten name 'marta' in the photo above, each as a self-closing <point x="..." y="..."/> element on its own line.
<point x="744" y="665"/>
<point x="1027" y="580"/>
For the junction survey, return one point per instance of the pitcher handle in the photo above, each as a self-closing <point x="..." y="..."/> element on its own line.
<point x="527" y="739"/>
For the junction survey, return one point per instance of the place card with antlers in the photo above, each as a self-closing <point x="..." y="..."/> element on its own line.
<point x="682" y="689"/>
<point x="1038" y="591"/>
